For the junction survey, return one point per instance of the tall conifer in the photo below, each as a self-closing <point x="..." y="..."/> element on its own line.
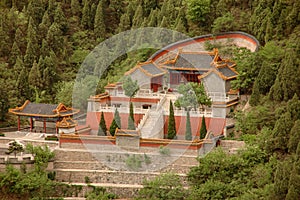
<point x="102" y="130"/>
<point x="131" y="125"/>
<point x="188" y="130"/>
<point x="171" y="123"/>
<point x="99" y="25"/>
<point x="203" y="130"/>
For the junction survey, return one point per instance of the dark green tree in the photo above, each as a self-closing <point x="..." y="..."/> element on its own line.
<point x="171" y="123"/>
<point x="203" y="130"/>
<point x="15" y="148"/>
<point x="102" y="130"/>
<point x="14" y="53"/>
<point x="116" y="123"/>
<point x="131" y="124"/>
<point x="124" y="24"/>
<point x="75" y="7"/>
<point x="294" y="137"/>
<point x="188" y="130"/>
<point x="60" y="19"/>
<point x="4" y="100"/>
<point x="138" y="17"/>
<point x="198" y="11"/>
<point x="99" y="25"/>
<point x="35" y="78"/>
<point x="86" y="20"/>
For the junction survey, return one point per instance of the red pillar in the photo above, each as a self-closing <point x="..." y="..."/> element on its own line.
<point x="31" y="124"/>
<point x="44" y="125"/>
<point x="19" y="123"/>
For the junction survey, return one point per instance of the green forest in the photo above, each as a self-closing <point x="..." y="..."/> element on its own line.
<point x="44" y="42"/>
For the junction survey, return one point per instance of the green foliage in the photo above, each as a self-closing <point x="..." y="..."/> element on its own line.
<point x="42" y="155"/>
<point x="147" y="159"/>
<point x="99" y="193"/>
<point x="14" y="147"/>
<point x="87" y="180"/>
<point x="166" y="186"/>
<point x="164" y="150"/>
<point x="134" y="162"/>
<point x="188" y="129"/>
<point x="171" y="123"/>
<point x="52" y="138"/>
<point x="203" y="129"/>
<point x="294" y="137"/>
<point x="116" y="123"/>
<point x="102" y="130"/>
<point x="198" y="10"/>
<point x="130" y="87"/>
<point x="192" y="95"/>
<point x="131" y="124"/>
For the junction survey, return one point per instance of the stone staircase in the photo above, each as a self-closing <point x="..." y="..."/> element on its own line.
<point x="75" y="165"/>
<point x="151" y="128"/>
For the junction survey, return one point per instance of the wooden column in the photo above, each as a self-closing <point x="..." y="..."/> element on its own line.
<point x="19" y="123"/>
<point x="31" y="124"/>
<point x="45" y="128"/>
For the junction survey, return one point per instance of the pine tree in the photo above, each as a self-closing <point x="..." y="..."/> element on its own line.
<point x="124" y="24"/>
<point x="86" y="15"/>
<point x="14" y="53"/>
<point x="294" y="182"/>
<point x="44" y="26"/>
<point x="152" y="18"/>
<point x="203" y="130"/>
<point x="99" y="25"/>
<point x="20" y="39"/>
<point x="75" y="8"/>
<point x="188" y="130"/>
<point x="60" y="19"/>
<point x="22" y="86"/>
<point x="294" y="137"/>
<point x="102" y="130"/>
<point x="131" y="125"/>
<point x="55" y="38"/>
<point x="138" y="17"/>
<point x="34" y="78"/>
<point x="171" y="123"/>
<point x="116" y="123"/>
<point x="35" y="9"/>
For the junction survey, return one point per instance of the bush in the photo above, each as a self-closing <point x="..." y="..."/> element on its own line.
<point x="51" y="137"/>
<point x="147" y="159"/>
<point x="133" y="162"/>
<point x="87" y="180"/>
<point x="2" y="135"/>
<point x="164" y="150"/>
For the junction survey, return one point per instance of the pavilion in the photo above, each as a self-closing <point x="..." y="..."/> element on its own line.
<point x="45" y="113"/>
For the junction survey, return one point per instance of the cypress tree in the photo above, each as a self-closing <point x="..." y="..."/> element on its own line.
<point x="20" y="39"/>
<point x="54" y="38"/>
<point x="124" y="23"/>
<point x="171" y="123"/>
<point x="99" y="25"/>
<point x="14" y="53"/>
<point x="34" y="78"/>
<point x="116" y="123"/>
<point x="203" y="130"/>
<point x="138" y="17"/>
<point x="60" y="19"/>
<point x="86" y="15"/>
<point x="131" y="125"/>
<point x="75" y="8"/>
<point x="188" y="130"/>
<point x="152" y="18"/>
<point x="294" y="137"/>
<point x="102" y="130"/>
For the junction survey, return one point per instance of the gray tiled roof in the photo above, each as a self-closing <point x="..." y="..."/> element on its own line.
<point x="226" y="71"/>
<point x="199" y="61"/>
<point x="39" y="108"/>
<point x="152" y="69"/>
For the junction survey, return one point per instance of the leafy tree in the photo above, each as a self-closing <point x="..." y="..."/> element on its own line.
<point x="116" y="123"/>
<point x="130" y="87"/>
<point x="99" y="25"/>
<point x="188" y="130"/>
<point x="131" y="125"/>
<point x="171" y="123"/>
<point x="203" y="130"/>
<point x="223" y="23"/>
<point x="166" y="186"/>
<point x="64" y="93"/>
<point x="102" y="130"/>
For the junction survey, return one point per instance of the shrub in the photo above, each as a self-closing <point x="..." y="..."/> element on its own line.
<point x="133" y="162"/>
<point x="147" y="159"/>
<point x="51" y="138"/>
<point x="164" y="150"/>
<point x="87" y="180"/>
<point x="2" y="135"/>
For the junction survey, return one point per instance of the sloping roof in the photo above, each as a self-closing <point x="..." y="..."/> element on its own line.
<point x="198" y="61"/>
<point x="228" y="72"/>
<point x="149" y="68"/>
<point x="43" y="110"/>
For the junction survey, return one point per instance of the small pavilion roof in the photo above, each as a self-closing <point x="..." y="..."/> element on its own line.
<point x="43" y="110"/>
<point x="149" y="68"/>
<point x="66" y="122"/>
